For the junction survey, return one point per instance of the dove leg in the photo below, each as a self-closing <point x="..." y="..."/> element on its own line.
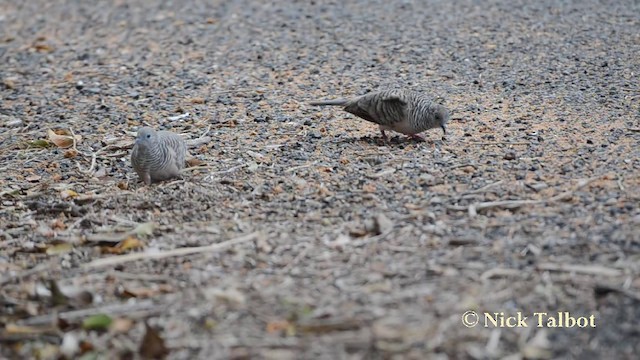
<point x="384" y="135"/>
<point x="416" y="137"/>
<point x="146" y="178"/>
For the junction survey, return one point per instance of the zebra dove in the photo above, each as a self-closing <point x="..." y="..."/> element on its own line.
<point x="158" y="155"/>
<point x="406" y="112"/>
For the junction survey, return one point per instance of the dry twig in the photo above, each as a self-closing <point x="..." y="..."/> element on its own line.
<point x="115" y="260"/>
<point x="147" y="306"/>
<point x="583" y="269"/>
<point x="514" y="204"/>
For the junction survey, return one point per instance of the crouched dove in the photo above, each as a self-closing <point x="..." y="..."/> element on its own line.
<point x="158" y="155"/>
<point x="406" y="112"/>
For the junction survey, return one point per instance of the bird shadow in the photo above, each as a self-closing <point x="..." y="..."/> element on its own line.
<point x="400" y="140"/>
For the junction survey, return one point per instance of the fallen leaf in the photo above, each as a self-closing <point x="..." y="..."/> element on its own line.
<point x="71" y="153"/>
<point x="278" y="326"/>
<point x="68" y="194"/>
<point x="62" y="141"/>
<point x="122" y="246"/>
<point x="97" y="322"/>
<point x="39" y="143"/>
<point x="43" y="48"/>
<point x="58" y="249"/>
<point x="144" y="229"/>
<point x="85" y="347"/>
<point x="120" y="325"/>
<point x="152" y="345"/>
<point x="194" y="162"/>
<point x="130" y="243"/>
<point x="33" y="178"/>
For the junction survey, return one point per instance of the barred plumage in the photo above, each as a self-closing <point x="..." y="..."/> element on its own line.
<point x="406" y="112"/>
<point x="158" y="155"/>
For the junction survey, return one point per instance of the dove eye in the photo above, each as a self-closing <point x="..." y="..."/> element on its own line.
<point x="148" y="136"/>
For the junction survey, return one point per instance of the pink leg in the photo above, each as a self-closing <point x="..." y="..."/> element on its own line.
<point x="384" y="135"/>
<point x="416" y="137"/>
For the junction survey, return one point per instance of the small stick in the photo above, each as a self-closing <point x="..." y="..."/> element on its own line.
<point x="199" y="141"/>
<point x="583" y="269"/>
<point x="300" y="167"/>
<point x="513" y="204"/>
<point x="483" y="189"/>
<point x="134" y="276"/>
<point x="234" y="91"/>
<point x="111" y="310"/>
<point x="498" y="143"/>
<point x="463" y="165"/>
<point x="115" y="260"/>
<point x="229" y="170"/>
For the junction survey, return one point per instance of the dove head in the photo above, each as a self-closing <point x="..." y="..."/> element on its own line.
<point x="146" y="136"/>
<point x="442" y="117"/>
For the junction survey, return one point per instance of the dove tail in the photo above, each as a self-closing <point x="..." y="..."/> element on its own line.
<point x="337" y="102"/>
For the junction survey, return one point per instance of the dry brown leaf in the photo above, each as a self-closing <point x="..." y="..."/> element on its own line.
<point x="129" y="243"/>
<point x="43" y="47"/>
<point x="71" y="153"/>
<point x="61" y="139"/>
<point x="194" y="162"/>
<point x="278" y="326"/>
<point x="152" y="345"/>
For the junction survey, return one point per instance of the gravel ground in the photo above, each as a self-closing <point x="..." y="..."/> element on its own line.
<point x="342" y="246"/>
